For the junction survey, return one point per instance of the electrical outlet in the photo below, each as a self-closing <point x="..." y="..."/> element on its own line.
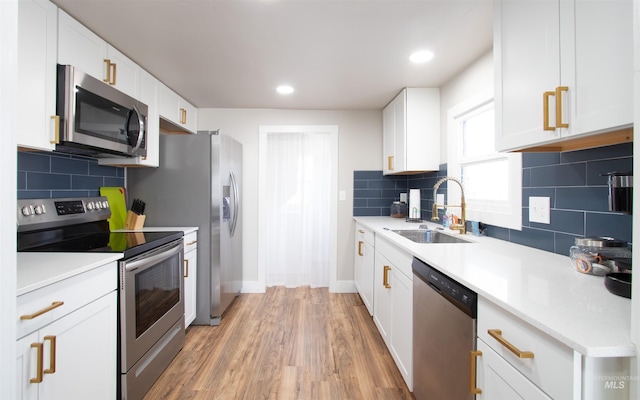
<point x="440" y="200"/>
<point x="540" y="210"/>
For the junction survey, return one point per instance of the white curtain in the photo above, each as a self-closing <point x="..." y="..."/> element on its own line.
<point x="297" y="208"/>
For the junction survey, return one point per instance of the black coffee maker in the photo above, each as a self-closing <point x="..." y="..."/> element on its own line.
<point x="620" y="191"/>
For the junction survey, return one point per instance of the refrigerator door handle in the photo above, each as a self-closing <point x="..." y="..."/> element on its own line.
<point x="236" y="203"/>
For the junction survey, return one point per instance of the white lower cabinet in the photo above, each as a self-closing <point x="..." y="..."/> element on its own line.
<point x="190" y="271"/>
<point x="68" y="349"/>
<point x="393" y="304"/>
<point x="364" y="265"/>
<point x="520" y="361"/>
<point x="499" y="380"/>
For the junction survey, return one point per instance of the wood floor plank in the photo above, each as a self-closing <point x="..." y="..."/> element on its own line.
<point x="285" y="344"/>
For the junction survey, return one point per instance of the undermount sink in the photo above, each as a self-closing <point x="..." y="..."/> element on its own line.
<point x="428" y="236"/>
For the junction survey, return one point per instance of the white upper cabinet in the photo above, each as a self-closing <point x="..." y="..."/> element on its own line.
<point x="37" y="34"/>
<point x="177" y="115"/>
<point x="563" y="69"/>
<point x="411" y="132"/>
<point x="80" y="47"/>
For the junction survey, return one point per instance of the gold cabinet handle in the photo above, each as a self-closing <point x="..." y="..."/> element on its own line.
<point x="360" y="248"/>
<point x="108" y="78"/>
<point x="45" y="310"/>
<point x="390" y="163"/>
<point x="360" y="230"/>
<point x="115" y="71"/>
<point x="190" y="243"/>
<point x="497" y="335"/>
<point x="472" y="376"/>
<point x="186" y="268"/>
<point x="545" y="111"/>
<point x="559" y="91"/>
<point x="40" y="348"/>
<point x="385" y="277"/>
<point x="52" y="355"/>
<point x="56" y="129"/>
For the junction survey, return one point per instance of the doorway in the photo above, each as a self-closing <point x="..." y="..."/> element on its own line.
<point x="298" y="208"/>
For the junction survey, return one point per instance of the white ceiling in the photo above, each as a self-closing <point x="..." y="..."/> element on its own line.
<point x="338" y="54"/>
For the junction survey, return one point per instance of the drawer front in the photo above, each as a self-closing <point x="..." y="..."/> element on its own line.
<point x="401" y="260"/>
<point x="364" y="234"/>
<point x="550" y="368"/>
<point x="190" y="241"/>
<point x="73" y="293"/>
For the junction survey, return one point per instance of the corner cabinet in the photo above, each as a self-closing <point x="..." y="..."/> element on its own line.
<point x="393" y="304"/>
<point x="36" y="102"/>
<point x="578" y="79"/>
<point x="364" y="265"/>
<point x="516" y="360"/>
<point x="190" y="276"/>
<point x="80" y="47"/>
<point x="411" y="132"/>
<point x="67" y="338"/>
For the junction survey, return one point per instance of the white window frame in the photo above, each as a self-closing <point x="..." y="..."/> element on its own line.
<point x="506" y="214"/>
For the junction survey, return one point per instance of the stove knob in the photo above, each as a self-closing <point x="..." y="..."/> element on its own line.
<point x="98" y="205"/>
<point x="26" y="211"/>
<point x="105" y="204"/>
<point x="90" y="206"/>
<point x="39" y="210"/>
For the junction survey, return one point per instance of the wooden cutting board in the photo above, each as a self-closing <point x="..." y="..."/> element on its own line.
<point x="117" y="203"/>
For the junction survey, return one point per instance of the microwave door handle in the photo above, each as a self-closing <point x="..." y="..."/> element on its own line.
<point x="154" y="259"/>
<point x="142" y="128"/>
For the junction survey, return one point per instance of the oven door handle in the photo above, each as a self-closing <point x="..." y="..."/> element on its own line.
<point x="154" y="259"/>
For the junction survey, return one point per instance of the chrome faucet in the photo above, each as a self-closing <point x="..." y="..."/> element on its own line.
<point x="462" y="226"/>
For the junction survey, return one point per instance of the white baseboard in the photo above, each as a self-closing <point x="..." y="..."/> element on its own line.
<point x="343" y="287"/>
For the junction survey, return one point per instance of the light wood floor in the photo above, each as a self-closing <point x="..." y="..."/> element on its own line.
<point x="286" y="344"/>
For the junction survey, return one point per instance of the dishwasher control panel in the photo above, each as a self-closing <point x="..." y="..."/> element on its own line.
<point x="458" y="294"/>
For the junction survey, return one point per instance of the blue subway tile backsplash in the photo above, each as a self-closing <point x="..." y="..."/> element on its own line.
<point x="53" y="175"/>
<point x="573" y="181"/>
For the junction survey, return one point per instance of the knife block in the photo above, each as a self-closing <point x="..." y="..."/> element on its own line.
<point x="134" y="221"/>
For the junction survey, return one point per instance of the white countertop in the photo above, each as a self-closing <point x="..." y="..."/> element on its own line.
<point x="540" y="287"/>
<point x="36" y="270"/>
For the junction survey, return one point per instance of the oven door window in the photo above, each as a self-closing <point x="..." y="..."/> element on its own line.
<point x="157" y="292"/>
<point x="98" y="117"/>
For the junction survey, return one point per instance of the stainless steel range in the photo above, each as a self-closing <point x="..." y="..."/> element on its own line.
<point x="151" y="285"/>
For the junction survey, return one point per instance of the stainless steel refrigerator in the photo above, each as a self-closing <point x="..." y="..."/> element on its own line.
<point x="198" y="183"/>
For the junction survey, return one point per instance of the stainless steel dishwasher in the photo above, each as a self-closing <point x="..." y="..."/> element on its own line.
<point x="444" y="334"/>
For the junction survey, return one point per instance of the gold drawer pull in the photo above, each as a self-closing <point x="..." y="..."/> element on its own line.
<point x="52" y="355"/>
<point x="53" y="305"/>
<point x="186" y="268"/>
<point x="360" y="230"/>
<point x="360" y="248"/>
<point x="497" y="335"/>
<point x="39" y="357"/>
<point x="472" y="377"/>
<point x="385" y="277"/>
<point x="190" y="243"/>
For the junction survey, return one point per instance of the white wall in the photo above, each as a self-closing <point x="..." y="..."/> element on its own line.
<point x="359" y="147"/>
<point x="8" y="90"/>
<point x="474" y="79"/>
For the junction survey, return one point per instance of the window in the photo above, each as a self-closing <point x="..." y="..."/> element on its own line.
<point x="492" y="181"/>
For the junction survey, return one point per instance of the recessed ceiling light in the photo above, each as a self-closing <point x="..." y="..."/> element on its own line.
<point x="421" y="56"/>
<point x="284" y="89"/>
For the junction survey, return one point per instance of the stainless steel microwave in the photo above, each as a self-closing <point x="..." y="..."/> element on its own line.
<point x="96" y="119"/>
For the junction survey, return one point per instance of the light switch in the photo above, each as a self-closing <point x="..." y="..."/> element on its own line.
<point x="540" y="210"/>
<point x="342" y="195"/>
